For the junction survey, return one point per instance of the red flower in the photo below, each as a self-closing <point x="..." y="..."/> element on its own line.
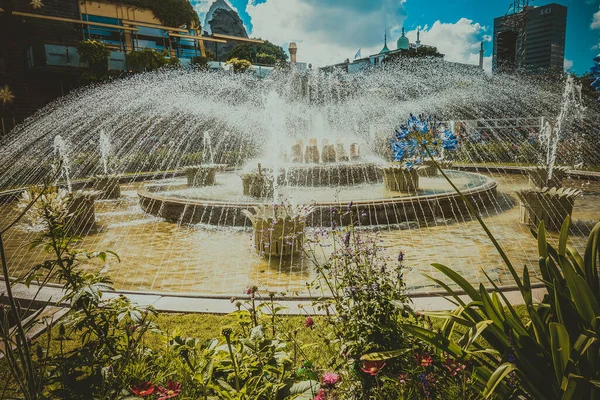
<point x="425" y="360"/>
<point x="330" y="379"/>
<point x="309" y="322"/>
<point x="172" y="390"/>
<point x="143" y="389"/>
<point x="372" y="367"/>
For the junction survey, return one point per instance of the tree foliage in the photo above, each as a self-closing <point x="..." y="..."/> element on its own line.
<point x="169" y="12"/>
<point x="266" y="53"/>
<point x="421" y="52"/>
<point x="95" y="54"/>
<point x="149" y="60"/>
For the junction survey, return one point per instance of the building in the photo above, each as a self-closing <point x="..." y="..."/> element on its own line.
<point x="39" y="61"/>
<point x="531" y="40"/>
<point x="403" y="48"/>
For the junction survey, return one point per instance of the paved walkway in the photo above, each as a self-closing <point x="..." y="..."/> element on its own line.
<point x="189" y="303"/>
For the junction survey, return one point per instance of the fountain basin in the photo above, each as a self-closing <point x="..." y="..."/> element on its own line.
<point x="552" y="206"/>
<point x="108" y="186"/>
<point x="370" y="206"/>
<point x="338" y="174"/>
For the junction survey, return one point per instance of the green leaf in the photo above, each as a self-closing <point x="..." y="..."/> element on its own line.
<point x="564" y="236"/>
<point x="434" y="339"/>
<point x="459" y="280"/>
<point x="384" y="355"/>
<point x="576" y="388"/>
<point x="561" y="348"/>
<point x="542" y="244"/>
<point x="302" y="387"/>
<point x="499" y="374"/>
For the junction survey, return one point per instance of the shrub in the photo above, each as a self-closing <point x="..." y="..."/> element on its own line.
<point x="239" y="66"/>
<point x="266" y="59"/>
<point x="95" y="54"/>
<point x="149" y="59"/>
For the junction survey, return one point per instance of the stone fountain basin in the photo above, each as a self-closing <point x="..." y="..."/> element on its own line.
<point x="222" y="204"/>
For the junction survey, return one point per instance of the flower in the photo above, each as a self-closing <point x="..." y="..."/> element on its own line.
<point x="172" y="390"/>
<point x="36" y="4"/>
<point x="309" y="322"/>
<point x="347" y="239"/>
<point x="425" y="360"/>
<point x="143" y="389"/>
<point x="401" y="256"/>
<point x="320" y="395"/>
<point x="453" y="366"/>
<point x="372" y="367"/>
<point x="330" y="379"/>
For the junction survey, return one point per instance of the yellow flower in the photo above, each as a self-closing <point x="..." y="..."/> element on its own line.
<point x="36" y="4"/>
<point x="6" y="95"/>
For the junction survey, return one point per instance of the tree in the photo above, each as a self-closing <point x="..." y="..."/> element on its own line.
<point x="266" y="53"/>
<point x="421" y="52"/>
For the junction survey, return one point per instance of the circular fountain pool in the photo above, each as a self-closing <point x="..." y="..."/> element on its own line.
<point x="222" y="204"/>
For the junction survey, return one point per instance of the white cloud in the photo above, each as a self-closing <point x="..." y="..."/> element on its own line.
<point x="327" y="31"/>
<point x="459" y="42"/>
<point x="568" y="65"/>
<point x="596" y="21"/>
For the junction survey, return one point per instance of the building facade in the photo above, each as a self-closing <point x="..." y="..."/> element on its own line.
<point x="39" y="61"/>
<point x="531" y="41"/>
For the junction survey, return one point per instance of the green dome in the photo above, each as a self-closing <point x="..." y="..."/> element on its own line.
<point x="403" y="43"/>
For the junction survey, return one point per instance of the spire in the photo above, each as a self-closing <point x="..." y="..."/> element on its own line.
<point x="481" y="52"/>
<point x="403" y="31"/>
<point x="385" y="48"/>
<point x="418" y="42"/>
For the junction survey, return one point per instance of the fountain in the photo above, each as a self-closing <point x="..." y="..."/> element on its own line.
<point x="106" y="184"/>
<point x="80" y="202"/>
<point x="195" y="238"/>
<point x="204" y="174"/>
<point x="546" y="201"/>
<point x="278" y="229"/>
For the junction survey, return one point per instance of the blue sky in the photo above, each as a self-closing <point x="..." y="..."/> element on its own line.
<point x="328" y="31"/>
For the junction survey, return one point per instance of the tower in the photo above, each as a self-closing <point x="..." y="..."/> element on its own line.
<point x="481" y="52"/>
<point x="385" y="48"/>
<point x="418" y="42"/>
<point x="293" y="49"/>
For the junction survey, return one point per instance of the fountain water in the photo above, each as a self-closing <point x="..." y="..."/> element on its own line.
<point x="104" y="150"/>
<point x="554" y="131"/>
<point x="62" y="152"/>
<point x="199" y="242"/>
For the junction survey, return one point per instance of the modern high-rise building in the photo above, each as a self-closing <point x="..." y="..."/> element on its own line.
<point x="531" y="40"/>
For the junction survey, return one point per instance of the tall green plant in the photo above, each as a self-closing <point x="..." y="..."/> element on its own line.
<point x="556" y="355"/>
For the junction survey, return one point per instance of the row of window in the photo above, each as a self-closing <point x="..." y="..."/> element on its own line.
<point x="144" y="38"/>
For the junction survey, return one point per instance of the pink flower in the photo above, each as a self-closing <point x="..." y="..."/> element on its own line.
<point x="330" y="379"/>
<point x="320" y="395"/>
<point x="309" y="322"/>
<point x="372" y="367"/>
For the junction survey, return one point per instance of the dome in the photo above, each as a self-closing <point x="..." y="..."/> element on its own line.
<point x="403" y="43"/>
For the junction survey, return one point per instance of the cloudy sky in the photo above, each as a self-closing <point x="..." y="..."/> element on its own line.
<point x="329" y="31"/>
